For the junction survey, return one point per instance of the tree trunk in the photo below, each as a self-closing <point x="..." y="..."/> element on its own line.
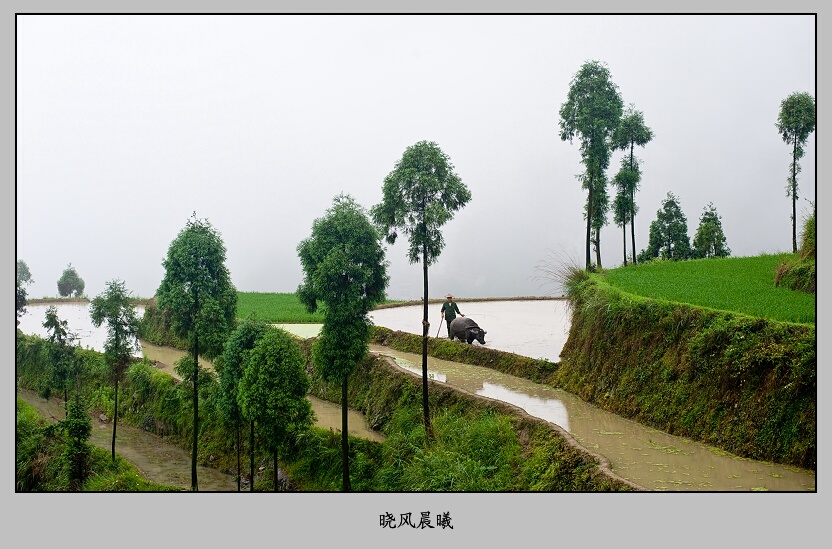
<point x="425" y="328"/>
<point x="274" y="457"/>
<point x="115" y="421"/>
<point x="588" y="222"/>
<point x="194" y="484"/>
<point x="598" y="247"/>
<point x="239" y="471"/>
<point x="345" y="446"/>
<point x="624" y="227"/>
<point x="251" y="455"/>
<point x="633" y="208"/>
<point x="794" y="197"/>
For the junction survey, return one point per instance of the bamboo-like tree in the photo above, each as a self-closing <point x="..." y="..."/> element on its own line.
<point x="631" y="131"/>
<point x="344" y="268"/>
<point x="61" y="352"/>
<point x="201" y="300"/>
<point x="421" y="194"/>
<point x="710" y="240"/>
<point x="231" y="367"/>
<point x="795" y="122"/>
<point x="273" y="391"/>
<point x="115" y="307"/>
<point x="591" y="113"/>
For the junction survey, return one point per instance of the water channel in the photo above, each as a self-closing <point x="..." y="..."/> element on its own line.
<point x="648" y="457"/>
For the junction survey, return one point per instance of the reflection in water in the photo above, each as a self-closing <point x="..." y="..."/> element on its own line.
<point x="78" y="322"/>
<point x="551" y="409"/>
<point x="650" y="458"/>
<point x="328" y="416"/>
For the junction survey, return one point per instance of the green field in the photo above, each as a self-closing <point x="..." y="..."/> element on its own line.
<point x="282" y="308"/>
<point x="276" y="307"/>
<point x="741" y="284"/>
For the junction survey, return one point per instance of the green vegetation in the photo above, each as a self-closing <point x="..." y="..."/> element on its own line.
<point x="277" y="307"/>
<point x="70" y="284"/>
<point x="800" y="272"/>
<point x="421" y="194"/>
<point x="344" y="267"/>
<point x="745" y="384"/>
<point x="44" y="461"/>
<point x="481" y="445"/>
<point x="742" y="285"/>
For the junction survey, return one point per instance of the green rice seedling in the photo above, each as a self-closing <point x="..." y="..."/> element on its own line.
<point x="743" y="285"/>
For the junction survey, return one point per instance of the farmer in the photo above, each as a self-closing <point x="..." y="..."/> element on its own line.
<point x="449" y="311"/>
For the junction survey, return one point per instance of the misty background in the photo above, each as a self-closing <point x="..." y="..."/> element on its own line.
<point x="127" y="124"/>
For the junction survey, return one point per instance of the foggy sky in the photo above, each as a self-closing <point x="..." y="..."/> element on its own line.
<point x="126" y="124"/>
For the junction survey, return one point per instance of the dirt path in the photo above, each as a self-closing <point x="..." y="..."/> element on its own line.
<point x="155" y="459"/>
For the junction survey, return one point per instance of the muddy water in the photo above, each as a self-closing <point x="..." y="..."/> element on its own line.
<point x="533" y="328"/>
<point x="156" y="460"/>
<point x="77" y="317"/>
<point x="650" y="458"/>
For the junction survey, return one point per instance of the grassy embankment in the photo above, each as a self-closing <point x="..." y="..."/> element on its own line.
<point x="707" y="349"/>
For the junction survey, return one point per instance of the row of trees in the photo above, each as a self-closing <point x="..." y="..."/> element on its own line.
<point x="669" y="234"/>
<point x="594" y="114"/>
<point x="261" y="369"/>
<point x="344" y="268"/>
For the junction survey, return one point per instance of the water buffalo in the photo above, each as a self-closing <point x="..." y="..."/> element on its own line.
<point x="465" y="329"/>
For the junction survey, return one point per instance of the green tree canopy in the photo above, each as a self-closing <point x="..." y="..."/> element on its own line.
<point x="115" y="307"/>
<point x="668" y="233"/>
<point x="24" y="276"/>
<point x="420" y="195"/>
<point x="273" y="391"/>
<point x="591" y="113"/>
<point x="61" y="351"/>
<point x="709" y="240"/>
<point x="795" y="122"/>
<point x="631" y="131"/>
<point x="231" y="365"/>
<point x="344" y="267"/>
<point x="201" y="300"/>
<point x="70" y="283"/>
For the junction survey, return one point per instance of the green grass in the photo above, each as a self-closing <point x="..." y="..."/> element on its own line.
<point x="741" y="284"/>
<point x="283" y="308"/>
<point x="276" y="307"/>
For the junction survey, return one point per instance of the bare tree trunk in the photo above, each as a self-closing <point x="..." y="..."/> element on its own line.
<point x="425" y="328"/>
<point x="194" y="447"/>
<point x="239" y="472"/>
<point x="345" y="445"/>
<point x="274" y="457"/>
<point x="598" y="247"/>
<point x="115" y="421"/>
<point x="251" y="455"/>
<point x="588" y="223"/>
<point x="624" y="227"/>
<point x="794" y="197"/>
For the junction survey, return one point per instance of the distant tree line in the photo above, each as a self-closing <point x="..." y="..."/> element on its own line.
<point x="594" y="115"/>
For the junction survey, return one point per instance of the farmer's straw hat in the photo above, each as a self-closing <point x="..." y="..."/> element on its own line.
<point x="449" y="295"/>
